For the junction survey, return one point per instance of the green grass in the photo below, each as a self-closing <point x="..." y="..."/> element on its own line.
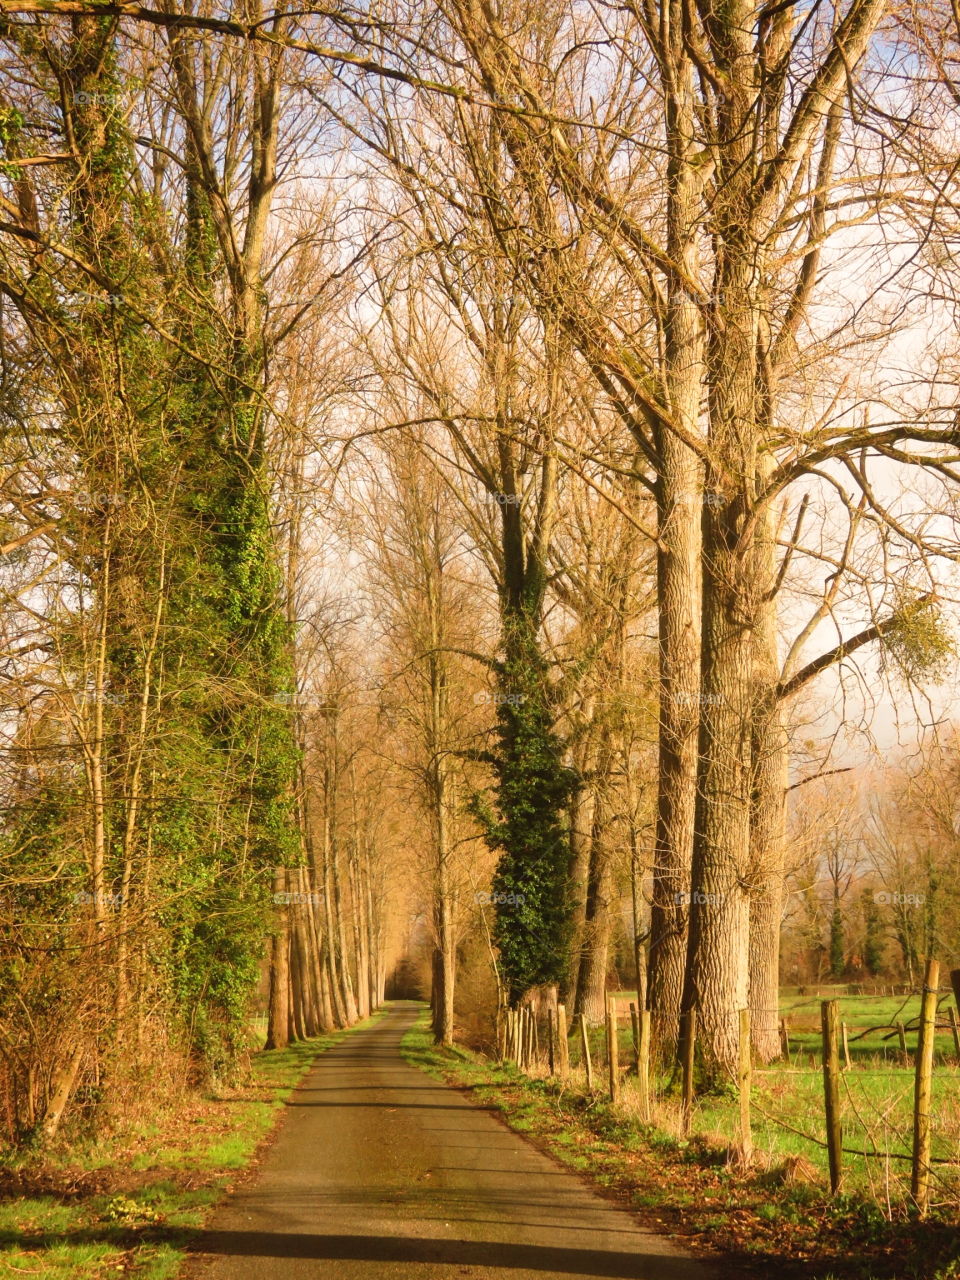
<point x="143" y="1230"/>
<point x="877" y="1114"/>
<point x="876" y="1093"/>
<point x="870" y="1026"/>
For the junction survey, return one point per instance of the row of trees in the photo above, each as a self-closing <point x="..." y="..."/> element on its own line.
<point x="671" y="208"/>
<point x="441" y="451"/>
<point x="154" y="744"/>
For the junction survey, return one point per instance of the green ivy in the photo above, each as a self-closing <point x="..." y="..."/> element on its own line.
<point x="527" y="821"/>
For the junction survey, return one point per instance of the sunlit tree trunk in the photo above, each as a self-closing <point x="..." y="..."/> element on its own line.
<point x="679" y="499"/>
<point x="598" y="921"/>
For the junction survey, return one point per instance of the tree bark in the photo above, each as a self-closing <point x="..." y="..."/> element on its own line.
<point x="767" y="836"/>
<point x="581" y="825"/>
<point x="278" y="1032"/>
<point x="63" y="1085"/>
<point x="595" y="950"/>
<point x="679" y="497"/>
<point x="715" y="981"/>
<point x="446" y="947"/>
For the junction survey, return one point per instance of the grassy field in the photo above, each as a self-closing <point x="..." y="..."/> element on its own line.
<point x="128" y="1202"/>
<point x="870" y="1026"/>
<point x="787" y="1098"/>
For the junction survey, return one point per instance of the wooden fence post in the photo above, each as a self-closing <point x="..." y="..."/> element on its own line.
<point x="920" y="1169"/>
<point x="846" y="1047"/>
<point x="585" y="1041"/>
<point x="613" y="1054"/>
<point x="784" y="1040"/>
<point x="745" y="1081"/>
<point x="688" y="1024"/>
<point x="955" y="1028"/>
<point x="635" y="1029"/>
<point x="902" y="1038"/>
<point x="830" y="1020"/>
<point x="551" y="1055"/>
<point x="563" y="1043"/>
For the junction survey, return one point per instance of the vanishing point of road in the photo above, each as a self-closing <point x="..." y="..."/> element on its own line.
<point x="378" y="1172"/>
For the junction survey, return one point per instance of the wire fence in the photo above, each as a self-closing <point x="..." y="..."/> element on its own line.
<point x="834" y="1086"/>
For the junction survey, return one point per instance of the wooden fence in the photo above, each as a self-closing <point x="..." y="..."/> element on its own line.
<point x="523" y="1045"/>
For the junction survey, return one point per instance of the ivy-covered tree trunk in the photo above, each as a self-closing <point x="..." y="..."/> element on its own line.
<point x="168" y="645"/>
<point x="235" y="590"/>
<point x="532" y="792"/>
<point x="873" y="935"/>
<point x="529" y="823"/>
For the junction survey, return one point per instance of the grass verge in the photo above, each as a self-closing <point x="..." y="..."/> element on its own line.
<point x="748" y="1223"/>
<point x="876" y="1100"/>
<point x="130" y="1204"/>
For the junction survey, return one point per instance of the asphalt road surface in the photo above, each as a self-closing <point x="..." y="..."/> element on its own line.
<point x="378" y="1172"/>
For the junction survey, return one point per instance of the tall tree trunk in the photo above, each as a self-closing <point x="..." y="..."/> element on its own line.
<point x="679" y="495"/>
<point x="324" y="1020"/>
<point x="582" y="804"/>
<point x="340" y="924"/>
<point x="319" y="948"/>
<point x="446" y="943"/>
<point x="679" y="657"/>
<point x="299" y="1023"/>
<point x="767" y="833"/>
<point x="326" y="999"/>
<point x="592" y="978"/>
<point x="444" y="973"/>
<point x="306" y="937"/>
<point x="581" y="823"/>
<point x="373" y="967"/>
<point x="356" y="922"/>
<point x="329" y="907"/>
<point x="715" y="980"/>
<point x="278" y="1033"/>
<point x="716" y="975"/>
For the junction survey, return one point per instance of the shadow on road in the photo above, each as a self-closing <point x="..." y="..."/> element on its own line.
<point x="464" y="1253"/>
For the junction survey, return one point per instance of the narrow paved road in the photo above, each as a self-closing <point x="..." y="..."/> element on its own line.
<point x="380" y="1173"/>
